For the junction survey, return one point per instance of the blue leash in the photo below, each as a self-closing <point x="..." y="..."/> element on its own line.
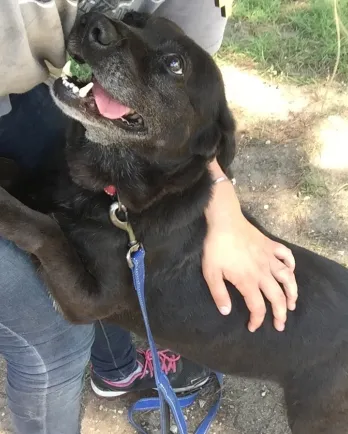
<point x="166" y="396"/>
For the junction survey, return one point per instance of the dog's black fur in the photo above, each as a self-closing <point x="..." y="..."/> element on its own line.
<point x="161" y="176"/>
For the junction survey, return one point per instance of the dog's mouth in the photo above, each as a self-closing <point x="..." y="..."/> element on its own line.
<point x="91" y="98"/>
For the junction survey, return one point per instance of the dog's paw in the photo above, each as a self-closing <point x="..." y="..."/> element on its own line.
<point x="9" y="172"/>
<point x="25" y="227"/>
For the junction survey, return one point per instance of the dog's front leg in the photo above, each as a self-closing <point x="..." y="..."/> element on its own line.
<point x="72" y="287"/>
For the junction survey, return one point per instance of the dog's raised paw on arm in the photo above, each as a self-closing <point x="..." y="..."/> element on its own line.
<point x="27" y="228"/>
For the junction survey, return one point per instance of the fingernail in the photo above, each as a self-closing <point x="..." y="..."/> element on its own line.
<point x="251" y="329"/>
<point x="281" y="328"/>
<point x="292" y="306"/>
<point x="224" y="310"/>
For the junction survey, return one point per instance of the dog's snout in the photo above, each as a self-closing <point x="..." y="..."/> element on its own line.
<point x="100" y="30"/>
<point x="103" y="32"/>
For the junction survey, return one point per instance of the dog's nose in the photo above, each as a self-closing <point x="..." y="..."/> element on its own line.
<point x="101" y="31"/>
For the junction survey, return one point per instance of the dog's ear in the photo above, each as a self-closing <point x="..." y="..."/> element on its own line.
<point x="135" y="19"/>
<point x="217" y="139"/>
<point x="227" y="145"/>
<point x="205" y="141"/>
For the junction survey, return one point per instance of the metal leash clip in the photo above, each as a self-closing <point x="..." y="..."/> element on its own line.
<point x="134" y="245"/>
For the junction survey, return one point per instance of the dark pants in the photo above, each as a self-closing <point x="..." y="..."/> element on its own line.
<point x="46" y="356"/>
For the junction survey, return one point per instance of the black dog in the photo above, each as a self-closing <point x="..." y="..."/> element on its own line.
<point x="157" y="116"/>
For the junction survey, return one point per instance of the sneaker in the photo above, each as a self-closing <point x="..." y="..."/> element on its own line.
<point x="184" y="375"/>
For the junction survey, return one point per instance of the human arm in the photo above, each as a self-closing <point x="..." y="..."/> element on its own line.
<point x="31" y="34"/>
<point x="238" y="252"/>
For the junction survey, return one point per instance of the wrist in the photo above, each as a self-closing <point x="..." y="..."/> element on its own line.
<point x="215" y="169"/>
<point x="218" y="174"/>
<point x="223" y="204"/>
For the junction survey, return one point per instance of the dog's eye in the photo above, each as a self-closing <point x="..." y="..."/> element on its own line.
<point x="174" y="64"/>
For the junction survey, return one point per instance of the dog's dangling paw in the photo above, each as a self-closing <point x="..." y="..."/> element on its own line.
<point x="9" y="172"/>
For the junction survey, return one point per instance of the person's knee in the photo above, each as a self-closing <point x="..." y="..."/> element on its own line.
<point x="51" y="370"/>
<point x="22" y="291"/>
<point x="6" y="249"/>
<point x="13" y="262"/>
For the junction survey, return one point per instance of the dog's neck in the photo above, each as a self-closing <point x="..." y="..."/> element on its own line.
<point x="140" y="183"/>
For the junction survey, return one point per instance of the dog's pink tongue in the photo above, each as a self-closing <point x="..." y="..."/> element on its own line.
<point x="107" y="106"/>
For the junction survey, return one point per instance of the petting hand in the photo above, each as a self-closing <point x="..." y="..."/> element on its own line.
<point x="238" y="252"/>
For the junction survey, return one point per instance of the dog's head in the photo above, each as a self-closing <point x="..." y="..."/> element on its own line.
<point x="154" y="90"/>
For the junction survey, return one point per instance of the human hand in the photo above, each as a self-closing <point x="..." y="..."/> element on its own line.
<point x="236" y="251"/>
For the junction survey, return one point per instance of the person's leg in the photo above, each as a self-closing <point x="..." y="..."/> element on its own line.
<point x="34" y="127"/>
<point x="118" y="368"/>
<point x="46" y="356"/>
<point x="113" y="353"/>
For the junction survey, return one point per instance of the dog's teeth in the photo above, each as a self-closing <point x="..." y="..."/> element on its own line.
<point x="75" y="89"/>
<point x="83" y="92"/>
<point x="133" y="116"/>
<point x="67" y="69"/>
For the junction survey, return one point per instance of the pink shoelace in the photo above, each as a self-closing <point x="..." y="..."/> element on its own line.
<point x="167" y="358"/>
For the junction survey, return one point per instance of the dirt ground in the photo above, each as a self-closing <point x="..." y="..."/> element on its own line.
<point x="292" y="173"/>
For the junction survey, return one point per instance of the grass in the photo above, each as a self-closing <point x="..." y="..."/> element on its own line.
<point x="312" y="184"/>
<point x="293" y="39"/>
<point x="82" y="72"/>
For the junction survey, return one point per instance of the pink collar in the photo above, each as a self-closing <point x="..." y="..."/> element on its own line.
<point x="110" y="190"/>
